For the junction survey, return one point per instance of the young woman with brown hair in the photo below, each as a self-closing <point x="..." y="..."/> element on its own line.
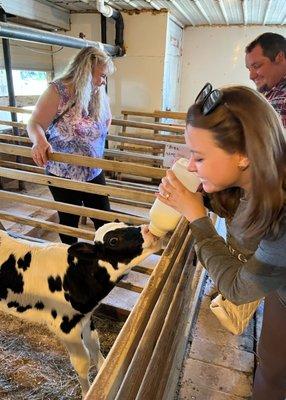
<point x="238" y="149"/>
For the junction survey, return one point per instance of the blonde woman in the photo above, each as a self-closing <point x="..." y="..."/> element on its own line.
<point x="238" y="148"/>
<point x="73" y="116"/>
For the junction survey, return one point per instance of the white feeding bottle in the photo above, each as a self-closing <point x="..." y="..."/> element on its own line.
<point x="164" y="218"/>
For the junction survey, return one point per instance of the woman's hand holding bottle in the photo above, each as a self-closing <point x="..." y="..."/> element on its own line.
<point x="174" y="194"/>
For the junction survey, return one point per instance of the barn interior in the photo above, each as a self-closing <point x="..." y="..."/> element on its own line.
<point x="156" y="328"/>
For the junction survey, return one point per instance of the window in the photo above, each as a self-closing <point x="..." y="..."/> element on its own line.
<point x="3" y="83"/>
<point x="26" y="83"/>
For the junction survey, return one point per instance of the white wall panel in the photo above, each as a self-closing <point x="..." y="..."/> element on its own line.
<point x="172" y="70"/>
<point x="137" y="84"/>
<point x="41" y="11"/>
<point x="25" y="55"/>
<point x="216" y="54"/>
<point x="138" y="81"/>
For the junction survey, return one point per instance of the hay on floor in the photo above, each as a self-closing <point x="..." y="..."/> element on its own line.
<point x="35" y="365"/>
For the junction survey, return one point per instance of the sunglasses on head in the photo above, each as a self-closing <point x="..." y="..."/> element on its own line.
<point x="209" y="99"/>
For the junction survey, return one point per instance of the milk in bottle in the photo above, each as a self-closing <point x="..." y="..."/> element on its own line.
<point x="164" y="218"/>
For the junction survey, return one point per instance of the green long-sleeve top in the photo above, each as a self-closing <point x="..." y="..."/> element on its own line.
<point x="242" y="279"/>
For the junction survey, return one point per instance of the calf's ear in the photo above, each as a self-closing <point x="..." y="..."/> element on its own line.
<point x="82" y="250"/>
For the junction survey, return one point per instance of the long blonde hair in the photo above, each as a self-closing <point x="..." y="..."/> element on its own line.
<point x="246" y="123"/>
<point x="78" y="74"/>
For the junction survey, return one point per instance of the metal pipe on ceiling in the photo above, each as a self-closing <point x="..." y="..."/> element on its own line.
<point x="104" y="9"/>
<point x="18" y="32"/>
<point x="116" y="15"/>
<point x="103" y="28"/>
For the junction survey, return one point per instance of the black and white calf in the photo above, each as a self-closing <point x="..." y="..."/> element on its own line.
<point x="60" y="285"/>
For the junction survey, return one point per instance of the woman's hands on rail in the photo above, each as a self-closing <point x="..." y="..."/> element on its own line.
<point x="42" y="116"/>
<point x="173" y="193"/>
<point x="41" y="149"/>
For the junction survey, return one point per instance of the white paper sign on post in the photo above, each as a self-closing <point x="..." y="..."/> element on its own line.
<point x="174" y="151"/>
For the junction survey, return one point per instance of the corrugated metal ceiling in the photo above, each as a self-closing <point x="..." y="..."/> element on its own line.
<point x="197" y="12"/>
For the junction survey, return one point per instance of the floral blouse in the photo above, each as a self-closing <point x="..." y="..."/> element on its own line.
<point x="73" y="135"/>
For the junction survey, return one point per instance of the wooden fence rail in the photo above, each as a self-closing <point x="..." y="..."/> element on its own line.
<point x="112" y="138"/>
<point x="153" y="114"/>
<point x="28" y="173"/>
<point x="109" y="153"/>
<point x="134" y="193"/>
<point x="51" y="226"/>
<point x="157" y="114"/>
<point x="69" y="208"/>
<point x="108" y="165"/>
<point x="113" y="182"/>
<point x="137" y="377"/>
<point x="111" y="377"/>
<point x="120" y="122"/>
<point x="15" y="109"/>
<point x="105" y="190"/>
<point x="147" y="125"/>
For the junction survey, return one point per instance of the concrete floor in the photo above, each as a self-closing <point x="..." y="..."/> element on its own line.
<point x="218" y="365"/>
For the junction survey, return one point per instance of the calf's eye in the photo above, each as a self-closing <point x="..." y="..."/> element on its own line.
<point x="113" y="241"/>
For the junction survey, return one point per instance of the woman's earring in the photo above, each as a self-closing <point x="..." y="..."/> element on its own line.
<point x="243" y="163"/>
<point x="242" y="167"/>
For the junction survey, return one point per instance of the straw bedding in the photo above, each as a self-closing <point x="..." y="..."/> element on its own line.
<point x="34" y="364"/>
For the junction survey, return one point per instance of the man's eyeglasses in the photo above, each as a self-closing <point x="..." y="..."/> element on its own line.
<point x="208" y="98"/>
